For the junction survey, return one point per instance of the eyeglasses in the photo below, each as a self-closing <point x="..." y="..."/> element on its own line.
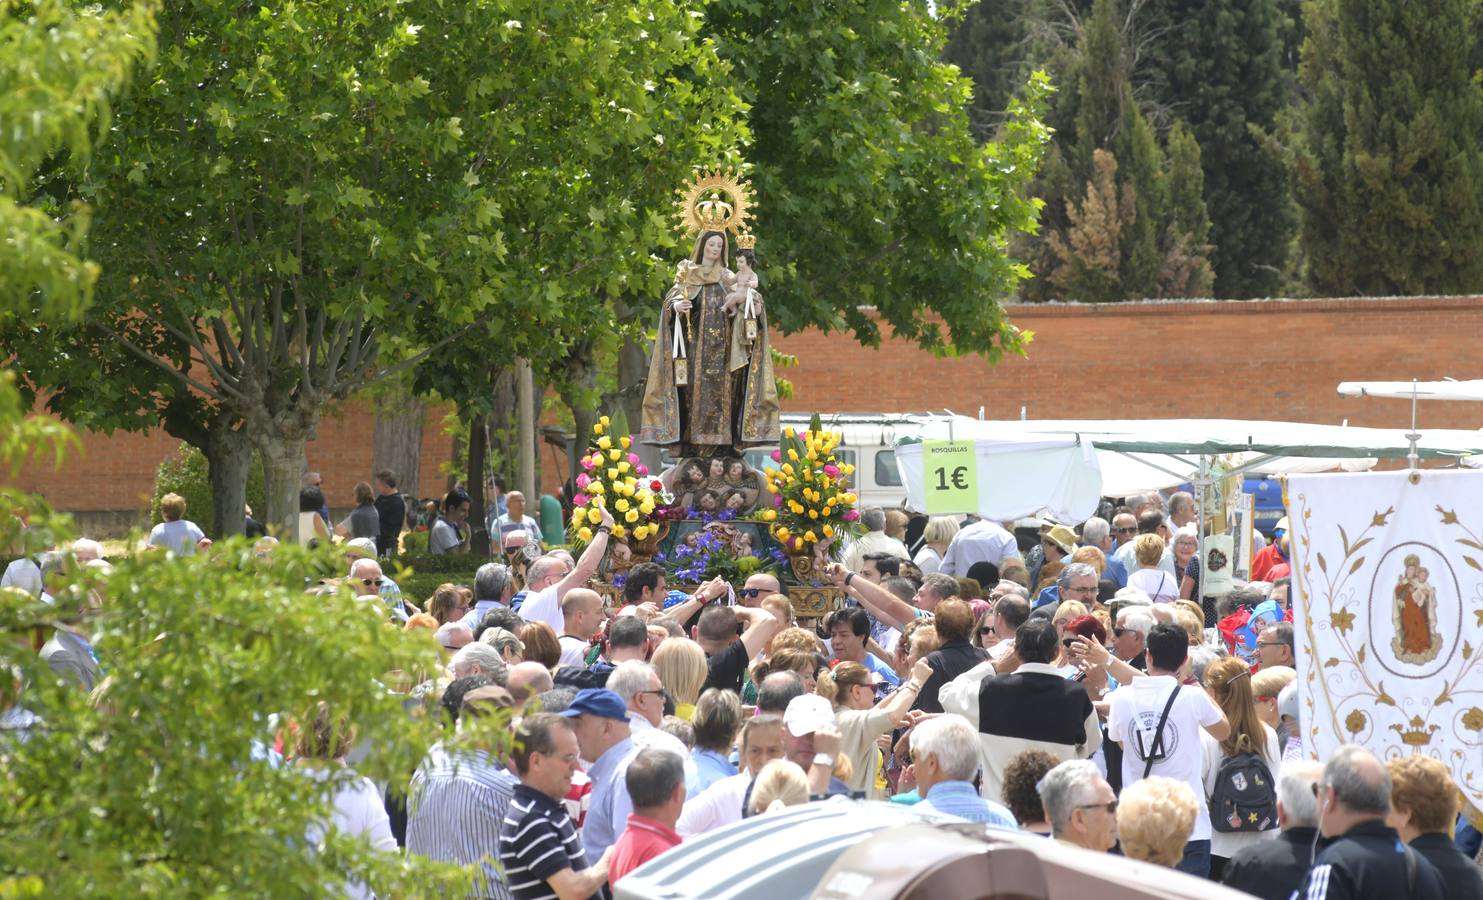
<point x="659" y="691"/>
<point x="1133" y="530"/>
<point x="570" y="759"/>
<point x="750" y="592"/>
<point x="369" y="582"/>
<point x="987" y="629"/>
<point x="1110" y="806"/>
<point x="1119" y="632"/>
<point x="1271" y="644"/>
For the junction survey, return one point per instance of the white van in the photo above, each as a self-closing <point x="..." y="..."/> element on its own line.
<point x="867" y="442"/>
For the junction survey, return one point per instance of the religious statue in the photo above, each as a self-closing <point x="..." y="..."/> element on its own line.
<point x="711" y="390"/>
<point x="1414" y="614"/>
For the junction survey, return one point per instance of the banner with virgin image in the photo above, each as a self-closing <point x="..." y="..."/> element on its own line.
<point x="1388" y="613"/>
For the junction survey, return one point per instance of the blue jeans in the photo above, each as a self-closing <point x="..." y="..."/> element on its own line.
<point x="1196" y="859"/>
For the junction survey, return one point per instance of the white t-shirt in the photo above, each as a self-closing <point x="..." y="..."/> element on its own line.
<point x="1225" y="844"/>
<point x="573" y="650"/>
<point x="1156" y="583"/>
<point x="928" y="560"/>
<point x="180" y="536"/>
<point x="1131" y="719"/>
<point x="983" y="541"/>
<point x="718" y="805"/>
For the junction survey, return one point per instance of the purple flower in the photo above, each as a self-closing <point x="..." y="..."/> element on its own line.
<point x="777" y="456"/>
<point x="851" y="515"/>
<point x="777" y="499"/>
<point x="619" y="580"/>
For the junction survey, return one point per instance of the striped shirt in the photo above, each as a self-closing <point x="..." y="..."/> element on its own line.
<point x="537" y="841"/>
<point x="454" y="809"/>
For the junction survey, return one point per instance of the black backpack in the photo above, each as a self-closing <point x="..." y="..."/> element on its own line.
<point x="1245" y="797"/>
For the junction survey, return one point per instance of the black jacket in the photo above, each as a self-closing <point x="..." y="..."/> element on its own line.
<point x="1369" y="863"/>
<point x="1271" y="869"/>
<point x="391" y="511"/>
<point x="948" y="662"/>
<point x="1459" y="874"/>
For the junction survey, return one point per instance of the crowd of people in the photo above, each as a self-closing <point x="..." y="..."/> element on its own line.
<point x="1081" y="688"/>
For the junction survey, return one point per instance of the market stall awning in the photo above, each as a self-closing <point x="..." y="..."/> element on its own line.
<point x="1136" y="456"/>
<point x="1420" y="390"/>
<point x="1213" y="437"/>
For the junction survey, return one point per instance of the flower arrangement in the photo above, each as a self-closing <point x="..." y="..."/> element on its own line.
<point x="615" y="479"/>
<point x="812" y="503"/>
<point x="711" y="553"/>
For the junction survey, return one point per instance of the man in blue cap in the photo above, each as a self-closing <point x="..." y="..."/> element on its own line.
<point x="600" y="719"/>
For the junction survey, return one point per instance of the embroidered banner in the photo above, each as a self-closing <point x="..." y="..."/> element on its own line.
<point x="1388" y="611"/>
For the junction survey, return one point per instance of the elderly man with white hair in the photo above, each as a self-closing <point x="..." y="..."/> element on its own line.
<point x="1096" y="532"/>
<point x="453" y="636"/>
<point x="367" y="581"/>
<point x="874" y="540"/>
<point x="85" y="550"/>
<point x="1273" y="869"/>
<point x="478" y="659"/>
<point x="944" y="752"/>
<point x="1080" y="805"/>
<point x="638" y="685"/>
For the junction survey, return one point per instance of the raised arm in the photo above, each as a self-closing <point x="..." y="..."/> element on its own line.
<point x="878" y="601"/>
<point x="591" y="558"/>
<point x="711" y="590"/>
<point x="900" y="702"/>
<point x="761" y="626"/>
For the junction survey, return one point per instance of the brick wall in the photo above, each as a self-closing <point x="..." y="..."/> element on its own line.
<point x="1266" y="359"/>
<point x="115" y="474"/>
<point x="1272" y="359"/>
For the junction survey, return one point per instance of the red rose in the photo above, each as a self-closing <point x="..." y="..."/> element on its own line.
<point x="656" y="485"/>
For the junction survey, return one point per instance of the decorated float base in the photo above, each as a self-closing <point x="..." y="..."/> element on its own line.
<point x="694" y="550"/>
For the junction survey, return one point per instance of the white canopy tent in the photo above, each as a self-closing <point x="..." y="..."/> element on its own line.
<point x="1419" y="390"/>
<point x="1136" y="456"/>
<point x="1134" y="453"/>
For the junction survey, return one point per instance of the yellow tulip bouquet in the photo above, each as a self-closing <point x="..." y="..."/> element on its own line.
<point x="812" y="503"/>
<point x="613" y="477"/>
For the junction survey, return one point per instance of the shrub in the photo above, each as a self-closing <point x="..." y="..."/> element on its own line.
<point x="186" y="473"/>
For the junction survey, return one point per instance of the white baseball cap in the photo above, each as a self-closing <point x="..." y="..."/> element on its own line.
<point x="806" y="713"/>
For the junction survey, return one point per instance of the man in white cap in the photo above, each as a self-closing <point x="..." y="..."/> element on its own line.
<point x="1272" y="555"/>
<point x="811" y="740"/>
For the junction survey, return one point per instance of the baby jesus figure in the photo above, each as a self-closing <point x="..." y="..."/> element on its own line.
<point x="744" y="283"/>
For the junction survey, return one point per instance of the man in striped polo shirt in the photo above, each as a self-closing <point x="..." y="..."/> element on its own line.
<point x="539" y="847"/>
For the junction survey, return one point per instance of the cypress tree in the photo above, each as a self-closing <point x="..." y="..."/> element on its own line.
<point x="1388" y="166"/>
<point x="1218" y="64"/>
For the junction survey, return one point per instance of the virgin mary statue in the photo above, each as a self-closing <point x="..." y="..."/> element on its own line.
<point x="710" y="390"/>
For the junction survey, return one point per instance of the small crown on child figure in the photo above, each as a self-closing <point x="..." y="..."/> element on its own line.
<point x="746" y="241"/>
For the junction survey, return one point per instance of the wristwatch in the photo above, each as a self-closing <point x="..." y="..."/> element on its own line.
<point x="824" y="759"/>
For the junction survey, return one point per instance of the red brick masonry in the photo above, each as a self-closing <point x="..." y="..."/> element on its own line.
<point x="1264" y="359"/>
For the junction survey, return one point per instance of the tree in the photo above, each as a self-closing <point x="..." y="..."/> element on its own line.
<point x="1143" y="201"/>
<point x="208" y="659"/>
<point x="168" y="785"/>
<point x="874" y="190"/>
<point x="1219" y="67"/>
<point x="1387" y="164"/>
<point x="319" y="194"/>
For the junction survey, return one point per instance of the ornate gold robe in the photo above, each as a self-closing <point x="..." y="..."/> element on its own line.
<point x="731" y="401"/>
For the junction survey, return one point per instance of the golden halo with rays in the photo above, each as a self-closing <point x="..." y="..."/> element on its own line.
<point x="716" y="200"/>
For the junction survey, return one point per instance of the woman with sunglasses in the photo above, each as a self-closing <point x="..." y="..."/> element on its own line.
<point x="862" y="721"/>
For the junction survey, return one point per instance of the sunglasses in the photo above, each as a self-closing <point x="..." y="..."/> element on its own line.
<point x="1110" y="806"/>
<point x="369" y="582"/>
<point x="750" y="592"/>
<point x="1133" y="530"/>
<point x="1119" y="632"/>
<point x="987" y="629"/>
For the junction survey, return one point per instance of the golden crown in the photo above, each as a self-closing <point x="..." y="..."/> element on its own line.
<point x="746" y="241"/>
<point x="716" y="200"/>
